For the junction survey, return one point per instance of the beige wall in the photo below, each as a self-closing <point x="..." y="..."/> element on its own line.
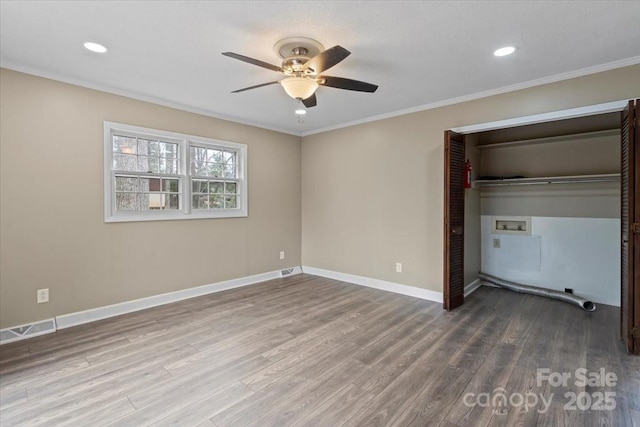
<point x="51" y="205"/>
<point x="593" y="200"/>
<point x="373" y="193"/>
<point x="593" y="153"/>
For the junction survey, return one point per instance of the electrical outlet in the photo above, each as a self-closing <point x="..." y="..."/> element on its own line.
<point x="42" y="295"/>
<point x="496" y="243"/>
<point x="398" y="267"/>
<point x="281" y="254"/>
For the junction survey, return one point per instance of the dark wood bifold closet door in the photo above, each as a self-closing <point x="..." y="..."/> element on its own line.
<point x="630" y="225"/>
<point x="453" y="220"/>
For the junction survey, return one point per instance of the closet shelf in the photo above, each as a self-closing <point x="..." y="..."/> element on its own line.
<point x="611" y="177"/>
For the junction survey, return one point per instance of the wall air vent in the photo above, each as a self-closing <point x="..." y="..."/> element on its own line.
<point x="511" y="225"/>
<point x="27" y="331"/>
<point x="286" y="272"/>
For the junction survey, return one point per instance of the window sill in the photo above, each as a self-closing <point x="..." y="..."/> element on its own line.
<point x="175" y="216"/>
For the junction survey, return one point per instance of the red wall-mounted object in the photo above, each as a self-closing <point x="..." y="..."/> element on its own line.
<point x="467" y="174"/>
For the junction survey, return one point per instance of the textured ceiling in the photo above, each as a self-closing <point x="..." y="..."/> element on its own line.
<point x="419" y="53"/>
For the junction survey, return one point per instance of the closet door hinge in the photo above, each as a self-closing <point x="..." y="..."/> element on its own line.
<point x="635" y="228"/>
<point x="635" y="332"/>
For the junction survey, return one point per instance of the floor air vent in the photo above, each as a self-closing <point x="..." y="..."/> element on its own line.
<point x="27" y="331"/>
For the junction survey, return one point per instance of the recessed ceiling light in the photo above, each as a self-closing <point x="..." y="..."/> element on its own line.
<point x="300" y="111"/>
<point x="504" y="51"/>
<point x="95" y="47"/>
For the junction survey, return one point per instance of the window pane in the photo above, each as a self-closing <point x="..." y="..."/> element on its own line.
<point x="200" y="202"/>
<point x="126" y="202"/>
<point x="166" y="165"/>
<point x="153" y="149"/>
<point x="216" y="201"/>
<point x="229" y="171"/>
<point x="198" y="186"/>
<point x="215" y="171"/>
<point x="143" y="164"/>
<point x="214" y="156"/>
<point x="143" y="147"/>
<point x="198" y="154"/>
<point x="230" y="187"/>
<point x="125" y="162"/>
<point x="170" y="185"/>
<point x="152" y="166"/>
<point x="169" y="149"/>
<point x="124" y="183"/>
<point x="229" y="158"/>
<point x="149" y="184"/>
<point x="124" y="144"/>
<point x="197" y="169"/>
<point x="173" y="201"/>
<point x="230" y="202"/>
<point x="150" y="201"/>
<point x="216" y="187"/>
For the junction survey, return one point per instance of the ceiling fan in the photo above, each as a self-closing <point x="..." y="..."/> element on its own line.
<point x="303" y="62"/>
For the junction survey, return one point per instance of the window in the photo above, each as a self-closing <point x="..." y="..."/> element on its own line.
<point x="146" y="173"/>
<point x="157" y="175"/>
<point x="214" y="180"/>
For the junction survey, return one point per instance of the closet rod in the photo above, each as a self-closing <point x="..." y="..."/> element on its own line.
<point x="611" y="177"/>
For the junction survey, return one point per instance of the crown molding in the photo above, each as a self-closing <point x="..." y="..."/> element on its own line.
<point x="485" y="94"/>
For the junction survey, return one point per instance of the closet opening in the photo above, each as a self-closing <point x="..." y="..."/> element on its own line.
<point x="545" y="206"/>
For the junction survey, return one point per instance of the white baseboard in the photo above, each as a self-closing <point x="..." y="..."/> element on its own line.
<point x="472" y="287"/>
<point x="376" y="283"/>
<point x="81" y="317"/>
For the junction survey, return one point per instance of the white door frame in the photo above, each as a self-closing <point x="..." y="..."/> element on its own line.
<point x="590" y="110"/>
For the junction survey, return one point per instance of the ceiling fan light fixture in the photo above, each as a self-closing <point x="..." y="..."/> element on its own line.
<point x="299" y="87"/>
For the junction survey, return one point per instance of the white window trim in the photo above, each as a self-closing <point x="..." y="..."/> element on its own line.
<point x="184" y="141"/>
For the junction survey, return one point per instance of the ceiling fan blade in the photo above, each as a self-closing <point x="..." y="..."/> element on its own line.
<point x="253" y="61"/>
<point x="326" y="59"/>
<point x="256" y="86"/>
<point x="347" y="84"/>
<point x="310" y="101"/>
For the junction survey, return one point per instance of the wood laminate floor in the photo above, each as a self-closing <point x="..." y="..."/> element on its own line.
<point x="309" y="351"/>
